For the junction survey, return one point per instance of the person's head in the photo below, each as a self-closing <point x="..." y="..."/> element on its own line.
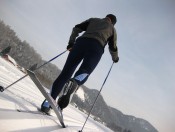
<point x="112" y="18"/>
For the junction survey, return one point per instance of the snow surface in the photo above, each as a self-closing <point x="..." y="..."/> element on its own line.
<point x="25" y="96"/>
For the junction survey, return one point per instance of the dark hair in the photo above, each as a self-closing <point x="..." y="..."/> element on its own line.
<point x="113" y="18"/>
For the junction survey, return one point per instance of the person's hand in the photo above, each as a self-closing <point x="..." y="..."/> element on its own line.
<point x="69" y="46"/>
<point x="116" y="59"/>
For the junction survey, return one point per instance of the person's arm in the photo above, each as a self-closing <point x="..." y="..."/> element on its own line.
<point x="112" y="42"/>
<point x="75" y="32"/>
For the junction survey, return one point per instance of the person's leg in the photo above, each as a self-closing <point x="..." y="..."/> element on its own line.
<point x="74" y="58"/>
<point x="64" y="76"/>
<point x="91" y="58"/>
<point x="90" y="61"/>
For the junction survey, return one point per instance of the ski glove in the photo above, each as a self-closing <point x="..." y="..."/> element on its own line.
<point x="114" y="55"/>
<point x="116" y="59"/>
<point x="69" y="46"/>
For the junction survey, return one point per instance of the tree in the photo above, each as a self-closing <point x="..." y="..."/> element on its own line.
<point x="25" y="55"/>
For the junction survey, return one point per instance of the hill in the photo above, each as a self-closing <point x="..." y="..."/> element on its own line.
<point x="107" y="115"/>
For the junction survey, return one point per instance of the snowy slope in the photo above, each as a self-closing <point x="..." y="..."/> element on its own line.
<point x="24" y="96"/>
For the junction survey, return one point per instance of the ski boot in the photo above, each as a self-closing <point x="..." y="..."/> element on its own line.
<point x="45" y="107"/>
<point x="68" y="90"/>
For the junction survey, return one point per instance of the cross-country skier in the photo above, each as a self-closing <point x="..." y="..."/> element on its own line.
<point x="87" y="48"/>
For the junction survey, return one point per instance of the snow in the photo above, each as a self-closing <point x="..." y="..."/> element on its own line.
<point x="25" y="96"/>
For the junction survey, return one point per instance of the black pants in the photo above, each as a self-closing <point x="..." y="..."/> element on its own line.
<point x="87" y="50"/>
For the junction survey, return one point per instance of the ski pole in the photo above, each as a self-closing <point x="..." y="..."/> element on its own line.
<point x="96" y="98"/>
<point x="2" y="89"/>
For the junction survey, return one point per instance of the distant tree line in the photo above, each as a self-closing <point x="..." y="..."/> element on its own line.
<point x="25" y="55"/>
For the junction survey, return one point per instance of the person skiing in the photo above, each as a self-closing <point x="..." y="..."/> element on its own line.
<point x="88" y="48"/>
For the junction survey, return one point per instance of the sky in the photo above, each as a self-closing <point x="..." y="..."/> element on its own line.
<point x="142" y="82"/>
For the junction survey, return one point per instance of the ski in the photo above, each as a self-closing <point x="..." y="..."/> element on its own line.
<point x="51" y="101"/>
<point x="38" y="112"/>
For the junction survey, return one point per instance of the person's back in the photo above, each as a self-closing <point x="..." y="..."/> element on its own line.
<point x="100" y="29"/>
